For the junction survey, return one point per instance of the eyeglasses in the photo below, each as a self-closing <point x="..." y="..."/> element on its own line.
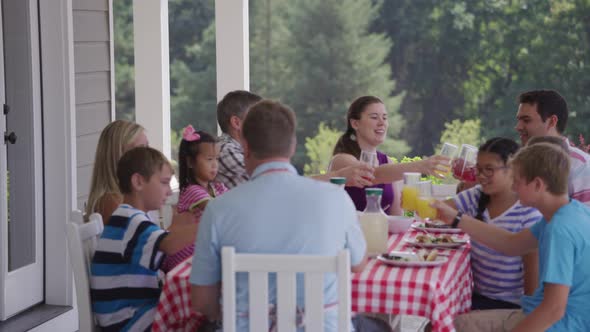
<point x="488" y="171"/>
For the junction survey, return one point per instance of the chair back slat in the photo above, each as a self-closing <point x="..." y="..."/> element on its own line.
<point x="344" y="294"/>
<point x="82" y="239"/>
<point x="258" y="285"/>
<point x="314" y="301"/>
<point x="285" y="263"/>
<point x="228" y="286"/>
<point x="286" y="268"/>
<point x="286" y="301"/>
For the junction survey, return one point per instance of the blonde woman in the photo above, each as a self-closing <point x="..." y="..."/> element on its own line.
<point x="115" y="139"/>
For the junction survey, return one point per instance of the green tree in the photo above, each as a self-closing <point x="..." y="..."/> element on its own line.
<point x="326" y="58"/>
<point x="434" y="42"/>
<point x="124" y="60"/>
<point x="194" y="99"/>
<point x="319" y="149"/>
<point x="269" y="48"/>
<point x="461" y="132"/>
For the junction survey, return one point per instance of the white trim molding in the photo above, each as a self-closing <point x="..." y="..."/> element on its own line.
<point x="59" y="137"/>
<point x="232" y="46"/>
<point x="152" y="71"/>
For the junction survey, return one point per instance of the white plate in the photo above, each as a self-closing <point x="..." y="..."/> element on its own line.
<point x="455" y="244"/>
<point x="440" y="260"/>
<point x="436" y="230"/>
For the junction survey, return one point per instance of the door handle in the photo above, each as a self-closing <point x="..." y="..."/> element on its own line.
<point x="11" y="138"/>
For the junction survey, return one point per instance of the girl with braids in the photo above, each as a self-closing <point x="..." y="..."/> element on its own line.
<point x="366" y="129"/>
<point x="499" y="280"/>
<point x="197" y="168"/>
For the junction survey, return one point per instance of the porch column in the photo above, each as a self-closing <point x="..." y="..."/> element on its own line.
<point x="152" y="73"/>
<point x="232" y="46"/>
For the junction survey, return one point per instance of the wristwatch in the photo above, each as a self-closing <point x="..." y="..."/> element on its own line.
<point x="457" y="219"/>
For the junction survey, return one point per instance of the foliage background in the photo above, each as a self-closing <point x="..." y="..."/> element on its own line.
<point x="431" y="61"/>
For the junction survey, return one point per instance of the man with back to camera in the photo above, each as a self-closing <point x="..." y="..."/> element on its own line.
<point x="298" y="216"/>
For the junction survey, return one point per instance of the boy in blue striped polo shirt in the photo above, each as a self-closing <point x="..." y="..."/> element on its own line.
<point x="124" y="271"/>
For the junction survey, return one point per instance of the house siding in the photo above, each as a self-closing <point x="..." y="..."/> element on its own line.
<point x="92" y="66"/>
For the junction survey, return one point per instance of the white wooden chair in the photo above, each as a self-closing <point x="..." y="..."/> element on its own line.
<point x="286" y="267"/>
<point x="82" y="238"/>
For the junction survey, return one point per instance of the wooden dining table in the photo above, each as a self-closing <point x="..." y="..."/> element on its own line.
<point x="437" y="293"/>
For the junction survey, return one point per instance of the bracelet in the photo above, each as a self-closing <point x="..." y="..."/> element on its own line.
<point x="457" y="219"/>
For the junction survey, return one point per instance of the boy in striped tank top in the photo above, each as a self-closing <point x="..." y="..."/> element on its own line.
<point x="499" y="280"/>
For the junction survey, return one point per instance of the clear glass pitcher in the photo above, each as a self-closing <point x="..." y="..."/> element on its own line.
<point x="374" y="223"/>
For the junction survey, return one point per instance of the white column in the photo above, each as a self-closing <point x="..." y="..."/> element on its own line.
<point x="59" y="138"/>
<point x="232" y="46"/>
<point x="152" y="74"/>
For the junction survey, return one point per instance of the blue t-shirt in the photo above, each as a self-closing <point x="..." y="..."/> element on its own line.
<point x="277" y="212"/>
<point x="564" y="259"/>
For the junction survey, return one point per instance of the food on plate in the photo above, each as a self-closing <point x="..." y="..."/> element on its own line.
<point x="426" y="255"/>
<point x="395" y="257"/>
<point x="430" y="224"/>
<point x="434" y="239"/>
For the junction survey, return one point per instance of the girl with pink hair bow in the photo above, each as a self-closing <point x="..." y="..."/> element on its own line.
<point x="197" y="168"/>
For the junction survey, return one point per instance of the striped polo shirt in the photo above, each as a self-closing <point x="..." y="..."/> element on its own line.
<point x="579" y="179"/>
<point x="496" y="275"/>
<point x="124" y="284"/>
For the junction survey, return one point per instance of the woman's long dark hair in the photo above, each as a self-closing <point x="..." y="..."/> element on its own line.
<point x="346" y="144"/>
<point x="503" y="148"/>
<point x="186" y="155"/>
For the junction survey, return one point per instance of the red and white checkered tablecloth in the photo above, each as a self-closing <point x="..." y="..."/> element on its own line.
<point x="437" y="293"/>
<point x="174" y="312"/>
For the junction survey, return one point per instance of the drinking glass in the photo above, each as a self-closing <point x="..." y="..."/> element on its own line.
<point x="448" y="150"/>
<point x="410" y="191"/>
<point x="425" y="211"/>
<point x="464" y="165"/>
<point x="369" y="158"/>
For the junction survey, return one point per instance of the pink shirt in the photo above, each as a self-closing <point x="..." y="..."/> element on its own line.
<point x="579" y="179"/>
<point x="189" y="200"/>
<point x="194" y="195"/>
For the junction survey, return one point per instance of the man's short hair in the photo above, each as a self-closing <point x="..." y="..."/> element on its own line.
<point x="269" y="130"/>
<point x="548" y="102"/>
<point x="235" y="103"/>
<point x="142" y="160"/>
<point x="546" y="161"/>
<point x="558" y="141"/>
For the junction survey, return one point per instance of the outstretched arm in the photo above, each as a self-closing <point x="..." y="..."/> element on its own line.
<point x="388" y="173"/>
<point x="356" y="174"/>
<point x="513" y="244"/>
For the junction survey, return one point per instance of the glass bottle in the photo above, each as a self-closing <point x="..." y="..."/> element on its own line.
<point x="339" y="181"/>
<point x="374" y="223"/>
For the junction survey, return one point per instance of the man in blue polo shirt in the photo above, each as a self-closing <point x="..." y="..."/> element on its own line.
<point x="276" y="212"/>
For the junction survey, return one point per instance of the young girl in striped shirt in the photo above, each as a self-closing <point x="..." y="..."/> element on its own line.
<point x="499" y="280"/>
<point x="197" y="168"/>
